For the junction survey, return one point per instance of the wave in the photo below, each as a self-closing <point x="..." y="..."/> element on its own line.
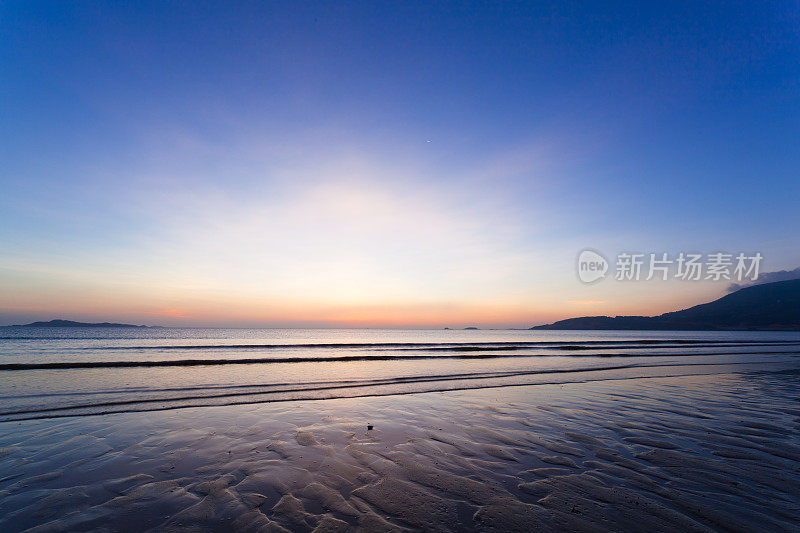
<point x="332" y="385"/>
<point x="298" y="392"/>
<point x="443" y="347"/>
<point x="413" y="345"/>
<point x="72" y="365"/>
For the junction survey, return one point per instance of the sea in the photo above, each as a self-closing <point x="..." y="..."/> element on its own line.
<point x="88" y="371"/>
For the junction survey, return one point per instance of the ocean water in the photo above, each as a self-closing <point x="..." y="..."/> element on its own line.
<point x="68" y="372"/>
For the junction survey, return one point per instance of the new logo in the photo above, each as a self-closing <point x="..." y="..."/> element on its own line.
<point x="591" y="266"/>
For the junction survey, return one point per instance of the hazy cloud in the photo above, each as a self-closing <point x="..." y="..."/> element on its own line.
<point x="767" y="277"/>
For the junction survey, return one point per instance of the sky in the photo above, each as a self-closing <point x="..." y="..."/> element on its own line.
<point x="387" y="164"/>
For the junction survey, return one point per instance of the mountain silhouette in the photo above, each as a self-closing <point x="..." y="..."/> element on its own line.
<point x="770" y="306"/>
<point x="58" y="323"/>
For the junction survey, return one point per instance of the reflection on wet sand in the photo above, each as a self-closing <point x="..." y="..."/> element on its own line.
<point x="690" y="453"/>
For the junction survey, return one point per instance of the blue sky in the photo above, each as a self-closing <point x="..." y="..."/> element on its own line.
<point x="386" y="164"/>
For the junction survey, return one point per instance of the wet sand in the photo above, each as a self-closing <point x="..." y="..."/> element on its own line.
<point x="692" y="453"/>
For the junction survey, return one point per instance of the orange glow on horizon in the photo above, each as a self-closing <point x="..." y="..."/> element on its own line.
<point x="228" y="312"/>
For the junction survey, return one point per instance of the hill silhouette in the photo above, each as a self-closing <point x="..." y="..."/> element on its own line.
<point x="58" y="323"/>
<point x="771" y="306"/>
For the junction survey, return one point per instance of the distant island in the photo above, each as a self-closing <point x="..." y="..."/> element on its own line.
<point x="768" y="307"/>
<point x="73" y="324"/>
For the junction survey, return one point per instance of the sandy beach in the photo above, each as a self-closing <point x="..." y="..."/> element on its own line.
<point x="399" y="267"/>
<point x="692" y="453"/>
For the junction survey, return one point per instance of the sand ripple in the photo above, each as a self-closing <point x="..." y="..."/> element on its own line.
<point x="715" y="453"/>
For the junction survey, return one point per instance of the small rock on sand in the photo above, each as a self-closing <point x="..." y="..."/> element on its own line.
<point x="305" y="438"/>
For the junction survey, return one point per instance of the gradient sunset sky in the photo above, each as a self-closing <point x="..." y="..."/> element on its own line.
<point x="393" y="163"/>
